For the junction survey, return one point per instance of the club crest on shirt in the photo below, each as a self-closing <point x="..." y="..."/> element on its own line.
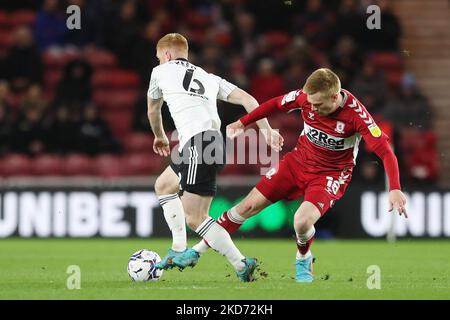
<point x="311" y="115"/>
<point x="339" y="127"/>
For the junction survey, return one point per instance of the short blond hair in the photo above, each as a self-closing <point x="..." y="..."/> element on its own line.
<point x="173" y="41"/>
<point x="323" y="80"/>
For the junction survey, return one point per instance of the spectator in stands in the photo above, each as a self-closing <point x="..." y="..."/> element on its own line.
<point x="387" y="37"/>
<point x="315" y="25"/>
<point x="96" y="136"/>
<point x="125" y="29"/>
<point x="23" y="62"/>
<point x="50" y="25"/>
<point x="34" y="99"/>
<point x="238" y="71"/>
<point x="144" y="58"/>
<point x="296" y="74"/>
<point x="30" y="133"/>
<point x="349" y="22"/>
<point x="212" y="60"/>
<point x="345" y="60"/>
<point x="422" y="163"/>
<point x="370" y="86"/>
<point x="64" y="132"/>
<point x="74" y="90"/>
<point x="6" y="120"/>
<point x="409" y="108"/>
<point x="4" y="93"/>
<point x="266" y="83"/>
<point x="244" y="35"/>
<point x="91" y="24"/>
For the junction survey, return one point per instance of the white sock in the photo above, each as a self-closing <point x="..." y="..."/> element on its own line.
<point x="302" y="238"/>
<point x="201" y="247"/>
<point x="174" y="215"/>
<point x="234" y="216"/>
<point x="219" y="239"/>
<point x="300" y="256"/>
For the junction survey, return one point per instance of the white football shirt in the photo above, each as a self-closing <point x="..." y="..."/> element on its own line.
<point x="191" y="95"/>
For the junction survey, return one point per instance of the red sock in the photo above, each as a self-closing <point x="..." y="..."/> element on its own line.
<point x="303" y="246"/>
<point x="226" y="223"/>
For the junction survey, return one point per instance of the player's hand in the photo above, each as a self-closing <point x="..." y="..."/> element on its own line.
<point x="397" y="201"/>
<point x="161" y="146"/>
<point x="234" y="129"/>
<point x="274" y="139"/>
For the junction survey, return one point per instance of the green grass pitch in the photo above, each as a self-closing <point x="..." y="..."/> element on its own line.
<point x="410" y="269"/>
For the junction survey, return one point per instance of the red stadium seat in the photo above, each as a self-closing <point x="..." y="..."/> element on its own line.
<point x="141" y="164"/>
<point x="58" y="59"/>
<point x="116" y="99"/>
<point x="115" y="79"/>
<point x="197" y="20"/>
<point x="223" y="38"/>
<point x="77" y="165"/>
<point x="6" y="41"/>
<point x="107" y="166"/>
<point x="15" y="165"/>
<point x="387" y="61"/>
<point x="394" y="79"/>
<point x="21" y="17"/>
<point x="52" y="78"/>
<point x="100" y="59"/>
<point x="47" y="165"/>
<point x="119" y="121"/>
<point x="277" y="39"/>
<point x="138" y="142"/>
<point x="4" y="20"/>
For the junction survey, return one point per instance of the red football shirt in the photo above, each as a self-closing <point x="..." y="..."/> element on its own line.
<point x="331" y="142"/>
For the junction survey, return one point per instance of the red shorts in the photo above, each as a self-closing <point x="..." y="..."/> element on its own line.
<point x="290" y="181"/>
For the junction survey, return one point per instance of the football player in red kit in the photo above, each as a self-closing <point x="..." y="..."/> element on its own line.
<point x="320" y="166"/>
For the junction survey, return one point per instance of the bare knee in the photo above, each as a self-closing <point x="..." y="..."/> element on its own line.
<point x="193" y="221"/>
<point x="252" y="204"/>
<point x="247" y="209"/>
<point x="302" y="223"/>
<point x="164" y="185"/>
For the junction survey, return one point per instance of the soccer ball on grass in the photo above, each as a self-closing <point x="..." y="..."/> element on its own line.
<point x="141" y="266"/>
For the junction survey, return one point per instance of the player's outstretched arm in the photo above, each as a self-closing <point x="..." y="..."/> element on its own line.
<point x="161" y="143"/>
<point x="273" y="138"/>
<point x="377" y="141"/>
<point x="397" y="199"/>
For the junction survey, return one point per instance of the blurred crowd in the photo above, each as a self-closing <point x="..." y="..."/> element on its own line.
<point x="54" y="96"/>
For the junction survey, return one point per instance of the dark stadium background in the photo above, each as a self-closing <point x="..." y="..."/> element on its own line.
<point x="73" y="104"/>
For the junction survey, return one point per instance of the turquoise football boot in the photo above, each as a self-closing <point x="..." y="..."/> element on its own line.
<point x="188" y="258"/>
<point x="246" y="275"/>
<point x="167" y="261"/>
<point x="304" y="270"/>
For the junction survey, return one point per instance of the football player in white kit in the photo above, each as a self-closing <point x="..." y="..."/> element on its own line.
<point x="191" y="95"/>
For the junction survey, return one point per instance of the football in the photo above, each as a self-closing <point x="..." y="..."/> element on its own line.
<point x="141" y="266"/>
